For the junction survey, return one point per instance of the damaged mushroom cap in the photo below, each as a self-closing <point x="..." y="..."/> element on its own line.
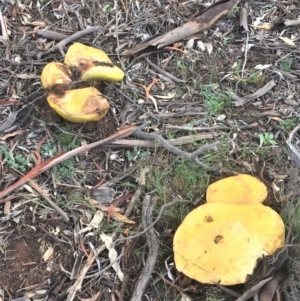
<point x="55" y="74"/>
<point x="237" y="189"/>
<point x="93" y="64"/>
<point x="81" y="105"/>
<point x="222" y="242"/>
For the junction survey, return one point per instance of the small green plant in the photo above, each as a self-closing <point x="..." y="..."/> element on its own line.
<point x="225" y="40"/>
<point x="182" y="68"/>
<point x="216" y="102"/>
<point x="213" y="298"/>
<point x="286" y="64"/>
<point x="233" y="12"/>
<point x="63" y="170"/>
<point x="289" y="124"/>
<point x="48" y="150"/>
<point x="107" y="8"/>
<point x="18" y="162"/>
<point x="254" y="77"/>
<point x="190" y="180"/>
<point x="266" y="139"/>
<point x="137" y="154"/>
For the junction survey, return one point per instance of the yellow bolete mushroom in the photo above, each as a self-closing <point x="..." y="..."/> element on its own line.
<point x="55" y="74"/>
<point x="242" y="188"/>
<point x="220" y="242"/>
<point x="81" y="105"/>
<point x="92" y="64"/>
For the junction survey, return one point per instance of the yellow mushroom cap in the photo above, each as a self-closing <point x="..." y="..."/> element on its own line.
<point x="93" y="64"/>
<point x="80" y="106"/>
<point x="222" y="242"/>
<point x="55" y="74"/>
<point x="237" y="189"/>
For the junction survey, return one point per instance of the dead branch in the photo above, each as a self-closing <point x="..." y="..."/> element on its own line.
<point x="240" y="101"/>
<point x="171" y="148"/>
<point x="77" y="284"/>
<point x="60" y="46"/>
<point x="152" y="144"/>
<point x="40" y="168"/>
<point x="76" y="36"/>
<point x="45" y="195"/>
<point x="53" y="35"/>
<point x="293" y="151"/>
<point x="206" y="19"/>
<point x="163" y="72"/>
<point x="153" y="247"/>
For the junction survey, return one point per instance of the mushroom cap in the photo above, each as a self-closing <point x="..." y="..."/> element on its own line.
<point x="80" y="106"/>
<point x="237" y="189"/>
<point x="93" y="64"/>
<point x="222" y="242"/>
<point x="55" y="74"/>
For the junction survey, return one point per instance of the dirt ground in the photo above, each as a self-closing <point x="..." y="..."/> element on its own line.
<point x="233" y="86"/>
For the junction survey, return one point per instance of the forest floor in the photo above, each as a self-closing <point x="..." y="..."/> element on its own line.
<point x="234" y="90"/>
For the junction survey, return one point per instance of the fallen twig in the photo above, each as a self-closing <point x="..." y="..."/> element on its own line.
<point x="152" y="144"/>
<point x="60" y="46"/>
<point x="74" y="37"/>
<point x="153" y="247"/>
<point x="53" y="35"/>
<point x="206" y="19"/>
<point x="240" y="101"/>
<point x="64" y="156"/>
<point x="44" y="194"/>
<point x="163" y="72"/>
<point x="171" y="148"/>
<point x="293" y="152"/>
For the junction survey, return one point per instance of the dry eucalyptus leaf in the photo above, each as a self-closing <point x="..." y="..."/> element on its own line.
<point x="48" y="254"/>
<point x="287" y="41"/>
<point x="97" y="219"/>
<point x="112" y="254"/>
<point x="121" y="218"/>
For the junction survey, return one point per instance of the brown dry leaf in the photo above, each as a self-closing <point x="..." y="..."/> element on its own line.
<point x="287" y="41"/>
<point x="121" y="218"/>
<point x="253" y="290"/>
<point x="3" y="23"/>
<point x="292" y="22"/>
<point x="266" y="26"/>
<point x="48" y="254"/>
<point x="27" y="76"/>
<point x="112" y="254"/>
<point x="202" y="22"/>
<point x="269" y="290"/>
<point x="16" y="133"/>
<point x="6" y="209"/>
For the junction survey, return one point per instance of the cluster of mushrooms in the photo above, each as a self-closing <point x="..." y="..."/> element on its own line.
<point x="89" y="65"/>
<point x="220" y="241"/>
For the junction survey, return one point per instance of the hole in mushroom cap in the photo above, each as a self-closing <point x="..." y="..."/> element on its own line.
<point x="218" y="239"/>
<point x="208" y="219"/>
